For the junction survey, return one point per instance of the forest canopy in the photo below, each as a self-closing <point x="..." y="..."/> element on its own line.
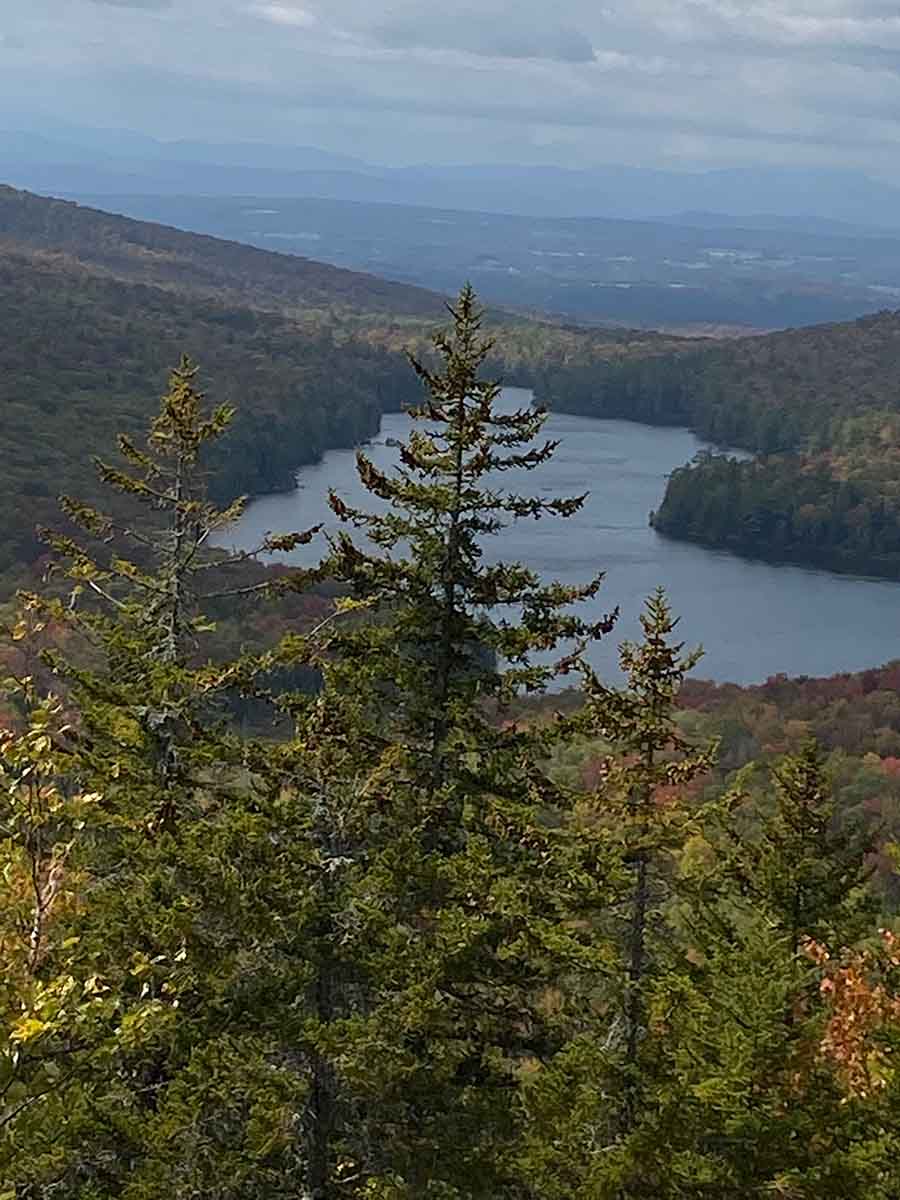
<point x="415" y="941"/>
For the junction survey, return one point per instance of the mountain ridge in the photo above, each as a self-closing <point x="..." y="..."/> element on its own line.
<point x="165" y="256"/>
<point x="122" y="162"/>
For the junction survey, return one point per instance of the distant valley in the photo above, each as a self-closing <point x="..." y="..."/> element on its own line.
<point x="704" y="251"/>
<point x="702" y="275"/>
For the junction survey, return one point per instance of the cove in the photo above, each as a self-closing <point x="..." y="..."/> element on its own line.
<point x="754" y="619"/>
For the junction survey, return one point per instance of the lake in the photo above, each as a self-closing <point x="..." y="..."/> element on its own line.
<point x="753" y="619"/>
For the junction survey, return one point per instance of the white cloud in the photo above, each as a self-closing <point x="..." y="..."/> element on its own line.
<point x="485" y="31"/>
<point x="285" y="14"/>
<point x="576" y="81"/>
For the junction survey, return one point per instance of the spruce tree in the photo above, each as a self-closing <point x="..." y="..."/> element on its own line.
<point x="172" y="1073"/>
<point x="651" y="755"/>
<point x="781" y="888"/>
<point x="467" y="888"/>
<point x="595" y="1114"/>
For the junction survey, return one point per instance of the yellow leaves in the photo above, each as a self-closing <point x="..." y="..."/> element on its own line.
<point x="28" y="623"/>
<point x="528" y="1068"/>
<point x="94" y="986"/>
<point x="27" y="1030"/>
<point x="786" y="1188"/>
<point x="347" y="604"/>
<point x="141" y="966"/>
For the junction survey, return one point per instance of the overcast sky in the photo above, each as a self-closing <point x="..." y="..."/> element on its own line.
<point x="690" y="83"/>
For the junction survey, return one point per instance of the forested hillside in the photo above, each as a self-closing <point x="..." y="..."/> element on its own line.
<point x="854" y="718"/>
<point x="94" y="310"/>
<point x="229" y="272"/>
<point x="425" y="944"/>
<point x="83" y="356"/>
<point x="820" y="407"/>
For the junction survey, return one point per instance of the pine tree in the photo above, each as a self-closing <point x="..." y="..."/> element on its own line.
<point x="783" y="889"/>
<point x="437" y="635"/>
<point x="651" y="756"/>
<point x="172" y="1074"/>
<point x="595" y="1113"/>
<point x="466" y="892"/>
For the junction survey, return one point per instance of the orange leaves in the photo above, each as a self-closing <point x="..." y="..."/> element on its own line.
<point x="861" y="1006"/>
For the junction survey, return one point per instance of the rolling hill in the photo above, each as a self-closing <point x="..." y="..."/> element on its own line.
<point x="228" y="272"/>
<point x="96" y="308"/>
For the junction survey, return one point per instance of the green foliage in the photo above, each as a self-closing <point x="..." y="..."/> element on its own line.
<point x="474" y="880"/>
<point x="174" y="1065"/>
<point x="819" y="408"/>
<point x="790" y="507"/>
<point x="426" y="945"/>
<point x="595" y="1110"/>
<point x="777" y="888"/>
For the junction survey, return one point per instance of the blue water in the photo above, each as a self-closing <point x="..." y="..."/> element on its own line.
<point x="753" y="619"/>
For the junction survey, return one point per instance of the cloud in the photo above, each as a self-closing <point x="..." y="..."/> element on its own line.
<point x="497" y="35"/>
<point x="145" y="4"/>
<point x="576" y="81"/>
<point x="284" y="14"/>
<point x="736" y="28"/>
<point x="11" y="41"/>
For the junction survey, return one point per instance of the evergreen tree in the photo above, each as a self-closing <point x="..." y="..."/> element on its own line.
<point x="597" y="1128"/>
<point x="779" y="890"/>
<point x="171" y="1074"/>
<point x="469" y="884"/>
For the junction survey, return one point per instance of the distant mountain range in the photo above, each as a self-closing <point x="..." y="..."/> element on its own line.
<point x="84" y="161"/>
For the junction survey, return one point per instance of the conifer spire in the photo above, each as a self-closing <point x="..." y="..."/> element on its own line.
<point x="456" y="625"/>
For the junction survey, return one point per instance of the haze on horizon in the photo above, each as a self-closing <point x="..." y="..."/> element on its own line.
<point x="664" y="83"/>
